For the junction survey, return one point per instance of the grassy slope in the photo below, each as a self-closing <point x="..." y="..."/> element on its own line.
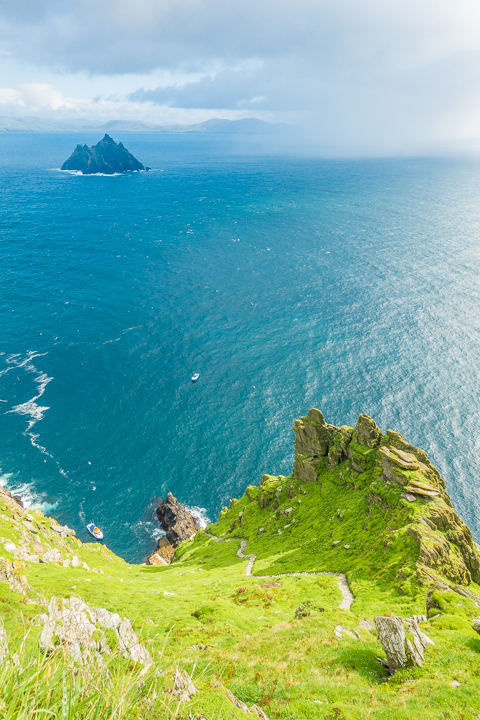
<point x="254" y="644"/>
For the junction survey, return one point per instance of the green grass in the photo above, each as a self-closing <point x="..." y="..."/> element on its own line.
<point x="204" y="615"/>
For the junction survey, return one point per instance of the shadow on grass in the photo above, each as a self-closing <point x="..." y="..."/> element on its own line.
<point x="363" y="660"/>
<point x="473" y="644"/>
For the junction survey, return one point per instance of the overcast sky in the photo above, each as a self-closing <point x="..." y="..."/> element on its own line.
<point x="391" y="75"/>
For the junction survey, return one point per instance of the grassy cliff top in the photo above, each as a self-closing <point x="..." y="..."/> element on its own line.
<point x="260" y="604"/>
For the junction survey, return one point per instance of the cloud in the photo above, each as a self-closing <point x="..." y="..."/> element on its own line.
<point x="226" y="89"/>
<point x="385" y="72"/>
<point x="46" y="101"/>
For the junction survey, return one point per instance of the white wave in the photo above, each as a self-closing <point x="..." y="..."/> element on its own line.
<point x="31" y="409"/>
<point x="25" y="490"/>
<point x="149" y="528"/>
<point x="43" y="450"/>
<point x="199" y="515"/>
<point x="79" y="172"/>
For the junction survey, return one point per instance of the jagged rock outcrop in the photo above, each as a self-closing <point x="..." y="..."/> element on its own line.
<point x="253" y="710"/>
<point x="179" y="525"/>
<point x="105" y="157"/>
<point x="445" y="543"/>
<point x="178" y="522"/>
<point x="403" y="641"/>
<point x="183" y="686"/>
<point x="76" y="626"/>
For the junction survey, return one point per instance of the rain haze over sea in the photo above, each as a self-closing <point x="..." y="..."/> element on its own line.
<point x="286" y="282"/>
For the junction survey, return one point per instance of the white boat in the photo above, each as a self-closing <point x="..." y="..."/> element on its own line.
<point x="95" y="531"/>
<point x="195" y="377"/>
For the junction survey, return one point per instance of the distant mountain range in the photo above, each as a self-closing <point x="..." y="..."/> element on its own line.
<point x="251" y="126"/>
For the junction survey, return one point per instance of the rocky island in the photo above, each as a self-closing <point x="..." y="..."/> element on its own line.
<point x="349" y="590"/>
<point x="106" y="157"/>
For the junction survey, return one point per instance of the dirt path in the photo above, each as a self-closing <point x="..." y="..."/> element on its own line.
<point x="347" y="597"/>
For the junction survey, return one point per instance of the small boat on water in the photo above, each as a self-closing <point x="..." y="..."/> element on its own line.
<point x="95" y="531"/>
<point x="195" y="377"/>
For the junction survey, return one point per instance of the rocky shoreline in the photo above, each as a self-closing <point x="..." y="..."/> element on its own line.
<point x="179" y="525"/>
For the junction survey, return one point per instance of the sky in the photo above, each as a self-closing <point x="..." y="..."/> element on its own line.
<point x="376" y="76"/>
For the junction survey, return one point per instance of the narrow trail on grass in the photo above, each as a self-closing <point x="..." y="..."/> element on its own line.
<point x="347" y="596"/>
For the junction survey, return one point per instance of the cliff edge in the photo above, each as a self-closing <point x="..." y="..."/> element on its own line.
<point x="348" y="590"/>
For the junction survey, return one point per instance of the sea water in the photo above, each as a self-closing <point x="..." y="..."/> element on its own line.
<point x="286" y="282"/>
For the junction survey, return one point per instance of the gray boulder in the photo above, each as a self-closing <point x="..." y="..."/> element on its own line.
<point x="403" y="641"/>
<point x="52" y="556"/>
<point x="72" y="623"/>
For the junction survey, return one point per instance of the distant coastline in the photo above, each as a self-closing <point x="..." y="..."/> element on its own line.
<point x="249" y="126"/>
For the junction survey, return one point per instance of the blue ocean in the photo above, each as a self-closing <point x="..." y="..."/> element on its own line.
<point x="286" y="281"/>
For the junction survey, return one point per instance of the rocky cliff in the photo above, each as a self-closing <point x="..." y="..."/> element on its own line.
<point x="179" y="525"/>
<point x="383" y="462"/>
<point x="345" y="591"/>
<point x="106" y="157"/>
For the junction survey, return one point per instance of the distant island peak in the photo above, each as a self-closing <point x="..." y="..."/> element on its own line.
<point x="106" y="157"/>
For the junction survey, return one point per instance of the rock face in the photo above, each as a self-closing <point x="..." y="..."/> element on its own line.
<point x="183" y="686"/>
<point x="77" y="627"/>
<point x="445" y="543"/>
<point x="105" y="157"/>
<point x="403" y="641"/>
<point x="178" y="524"/>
